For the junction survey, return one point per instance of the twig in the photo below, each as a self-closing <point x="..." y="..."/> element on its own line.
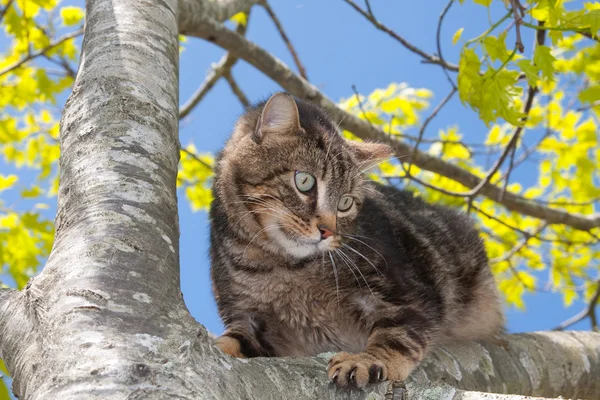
<point x="236" y="89"/>
<point x="589" y="311"/>
<point x="430" y="58"/>
<point x="285" y="38"/>
<point x="433" y="114"/>
<point x="40" y="52"/>
<point x="63" y="63"/>
<point x="195" y="157"/>
<point x="5" y="9"/>
<point x="506" y="177"/>
<point x="588" y="106"/>
<point x="561" y="29"/>
<point x="438" y="38"/>
<point x="520" y="245"/>
<point x="518" y="13"/>
<point x="218" y="70"/>
<point x="525" y="233"/>
<point x="511" y="143"/>
<point x="360" y="105"/>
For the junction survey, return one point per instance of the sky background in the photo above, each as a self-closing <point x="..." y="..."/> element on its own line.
<point x="339" y="49"/>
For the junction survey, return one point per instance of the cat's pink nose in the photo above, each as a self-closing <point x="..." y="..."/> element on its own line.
<point x="325" y="232"/>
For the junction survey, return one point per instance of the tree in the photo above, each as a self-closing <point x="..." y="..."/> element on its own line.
<point x="96" y="323"/>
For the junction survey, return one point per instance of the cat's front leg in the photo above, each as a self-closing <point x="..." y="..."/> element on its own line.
<point x="241" y="344"/>
<point x="391" y="354"/>
<point x="245" y="338"/>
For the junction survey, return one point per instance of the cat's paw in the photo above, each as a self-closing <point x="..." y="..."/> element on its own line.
<point x="345" y="369"/>
<point x="230" y="346"/>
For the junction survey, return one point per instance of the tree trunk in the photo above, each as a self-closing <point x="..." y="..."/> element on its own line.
<point x="106" y="320"/>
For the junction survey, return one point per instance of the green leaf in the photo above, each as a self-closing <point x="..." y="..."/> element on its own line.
<point x="469" y="80"/>
<point x="530" y="70"/>
<point x="35" y="191"/>
<point x="590" y="94"/>
<point x="544" y="60"/>
<point x="483" y="2"/>
<point x="496" y="47"/>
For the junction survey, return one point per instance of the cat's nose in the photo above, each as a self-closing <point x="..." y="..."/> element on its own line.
<point x="325" y="232"/>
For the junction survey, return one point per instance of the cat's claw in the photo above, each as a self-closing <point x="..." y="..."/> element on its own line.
<point x="357" y="370"/>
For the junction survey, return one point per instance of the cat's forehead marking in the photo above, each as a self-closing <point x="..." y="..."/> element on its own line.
<point x="322" y="194"/>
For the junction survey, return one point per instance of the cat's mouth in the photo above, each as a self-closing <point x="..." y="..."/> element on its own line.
<point x="299" y="245"/>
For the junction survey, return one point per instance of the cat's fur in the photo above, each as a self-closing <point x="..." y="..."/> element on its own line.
<point x="397" y="277"/>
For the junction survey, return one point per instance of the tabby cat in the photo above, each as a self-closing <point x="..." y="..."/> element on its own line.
<point x="310" y="256"/>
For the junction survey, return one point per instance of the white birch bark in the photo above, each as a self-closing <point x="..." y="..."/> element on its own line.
<point x="106" y="320"/>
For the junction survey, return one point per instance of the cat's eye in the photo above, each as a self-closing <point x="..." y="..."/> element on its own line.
<point x="345" y="203"/>
<point x="304" y="181"/>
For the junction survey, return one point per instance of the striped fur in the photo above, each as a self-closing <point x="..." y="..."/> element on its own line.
<point x="397" y="277"/>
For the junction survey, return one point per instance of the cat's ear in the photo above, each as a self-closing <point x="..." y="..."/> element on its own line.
<point x="280" y="115"/>
<point x="369" y="152"/>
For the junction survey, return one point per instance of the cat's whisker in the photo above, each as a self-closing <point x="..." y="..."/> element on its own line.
<point x="335" y="274"/>
<point x="341" y="120"/>
<point x="358" y="269"/>
<point x="337" y="251"/>
<point x="365" y="258"/>
<point x="337" y="128"/>
<point x="285" y="214"/>
<point x="286" y="210"/>
<point x="282" y="217"/>
<point x="372" y="163"/>
<point x="354" y="237"/>
<point x="255" y="236"/>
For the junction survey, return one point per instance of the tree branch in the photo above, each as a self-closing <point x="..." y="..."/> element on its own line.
<point x="220" y="69"/>
<point x="511" y="146"/>
<point x="198" y="159"/>
<point x="235" y="88"/>
<point x="285" y="38"/>
<point x="518" y="14"/>
<point x="280" y="73"/>
<point x="40" y="52"/>
<point x="438" y="41"/>
<point x="427" y="121"/>
<point x="589" y="311"/>
<point x="520" y="245"/>
<point x="430" y="58"/>
<point x="5" y="9"/>
<point x="192" y="12"/>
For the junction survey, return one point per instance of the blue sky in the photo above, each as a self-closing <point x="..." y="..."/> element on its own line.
<point x="339" y="49"/>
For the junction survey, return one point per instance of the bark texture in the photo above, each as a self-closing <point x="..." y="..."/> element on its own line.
<point x="106" y="319"/>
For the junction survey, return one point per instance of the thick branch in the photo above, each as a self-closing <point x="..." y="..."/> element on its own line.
<point x="282" y="74"/>
<point x="192" y="12"/>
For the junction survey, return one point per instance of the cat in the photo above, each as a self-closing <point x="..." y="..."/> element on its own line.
<point x="308" y="255"/>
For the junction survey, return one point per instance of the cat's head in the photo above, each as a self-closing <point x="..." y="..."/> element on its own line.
<point x="289" y="182"/>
